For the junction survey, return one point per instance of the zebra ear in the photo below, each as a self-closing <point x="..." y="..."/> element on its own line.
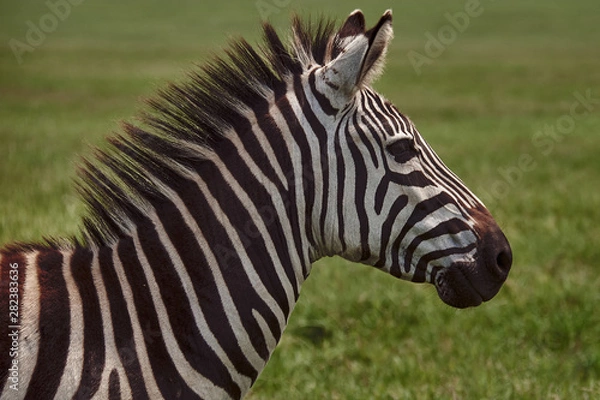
<point x="356" y="56"/>
<point x="379" y="39"/>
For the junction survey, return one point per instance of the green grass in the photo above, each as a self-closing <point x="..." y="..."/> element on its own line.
<point x="357" y="333"/>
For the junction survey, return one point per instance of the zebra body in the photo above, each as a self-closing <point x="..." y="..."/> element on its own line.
<point x="204" y="223"/>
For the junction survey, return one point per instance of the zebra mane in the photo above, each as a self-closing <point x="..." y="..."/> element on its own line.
<point x="187" y="120"/>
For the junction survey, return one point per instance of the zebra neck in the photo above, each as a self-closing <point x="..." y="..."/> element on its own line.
<point x="222" y="262"/>
<point x="318" y="171"/>
<point x="206" y="278"/>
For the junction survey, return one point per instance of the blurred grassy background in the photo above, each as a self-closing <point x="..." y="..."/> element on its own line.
<point x="357" y="333"/>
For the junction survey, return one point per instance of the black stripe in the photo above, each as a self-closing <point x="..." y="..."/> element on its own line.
<point x="365" y="141"/>
<point x="93" y="336"/>
<point x="386" y="228"/>
<point x="378" y="140"/>
<point x="438" y="169"/>
<point x="445" y="176"/>
<point x="360" y="192"/>
<point x="380" y="193"/>
<point x="121" y="322"/>
<point x="341" y="180"/>
<point x="54" y="327"/>
<point x="421" y="211"/>
<point x="246" y="226"/>
<point x="323" y="101"/>
<point x="413" y="178"/>
<point x="275" y="138"/>
<point x="321" y="134"/>
<point x="165" y="373"/>
<point x="114" y="386"/>
<point x="449" y="227"/>
<point x="256" y="153"/>
<point x="307" y="177"/>
<point x="420" y="271"/>
<point x="197" y="351"/>
<point x="188" y="337"/>
<point x="394" y="115"/>
<point x="378" y="110"/>
<point x="232" y="267"/>
<point x="373" y="113"/>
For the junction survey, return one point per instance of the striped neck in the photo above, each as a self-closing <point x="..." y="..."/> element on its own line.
<point x="206" y="277"/>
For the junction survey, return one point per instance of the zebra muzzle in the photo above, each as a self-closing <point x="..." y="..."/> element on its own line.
<point x="469" y="284"/>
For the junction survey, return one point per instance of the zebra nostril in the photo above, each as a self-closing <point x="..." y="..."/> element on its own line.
<point x="504" y="260"/>
<point x="498" y="254"/>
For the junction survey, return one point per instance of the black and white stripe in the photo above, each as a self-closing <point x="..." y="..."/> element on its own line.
<point x="204" y="222"/>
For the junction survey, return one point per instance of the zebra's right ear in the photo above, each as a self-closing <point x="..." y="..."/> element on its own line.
<point x="356" y="57"/>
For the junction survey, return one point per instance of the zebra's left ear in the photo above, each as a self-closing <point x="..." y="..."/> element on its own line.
<point x="357" y="56"/>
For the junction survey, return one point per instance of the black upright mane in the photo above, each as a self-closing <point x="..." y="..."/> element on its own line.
<point x="197" y="112"/>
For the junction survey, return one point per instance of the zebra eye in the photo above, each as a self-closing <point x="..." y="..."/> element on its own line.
<point x="402" y="150"/>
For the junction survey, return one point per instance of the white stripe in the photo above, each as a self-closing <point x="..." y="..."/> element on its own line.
<point x="196" y="381"/>
<point x="315" y="160"/>
<point x="261" y="137"/>
<point x="248" y="266"/>
<point x="138" y="334"/>
<point x="351" y="231"/>
<point x="231" y="311"/>
<point x="112" y="359"/>
<point x="279" y="209"/>
<point x="446" y="241"/>
<point x="443" y="262"/>
<point x="270" y="340"/>
<point x="440" y="215"/>
<point x="383" y="113"/>
<point x="74" y="365"/>
<point x="293" y="150"/>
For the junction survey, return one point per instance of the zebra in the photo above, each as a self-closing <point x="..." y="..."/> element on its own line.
<point x="204" y="219"/>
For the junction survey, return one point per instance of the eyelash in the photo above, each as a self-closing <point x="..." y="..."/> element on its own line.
<point x="402" y="150"/>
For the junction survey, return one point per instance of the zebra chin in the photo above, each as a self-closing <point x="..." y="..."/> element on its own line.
<point x="461" y="287"/>
<point x="468" y="284"/>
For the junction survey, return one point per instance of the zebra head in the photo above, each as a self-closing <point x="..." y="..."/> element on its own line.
<point x="402" y="210"/>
